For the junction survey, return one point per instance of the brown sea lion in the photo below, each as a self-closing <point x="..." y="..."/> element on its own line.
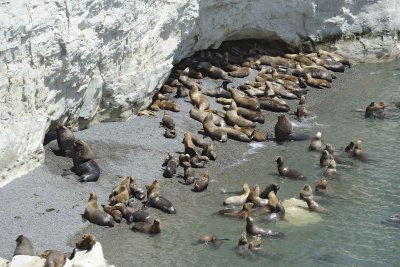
<point x="86" y="243"/>
<point x="277" y="61"/>
<point x="335" y="56"/>
<point x="24" y="246"/>
<point x="125" y="183"/>
<point x="254" y="197"/>
<point x="320" y="188"/>
<point x="253" y="229"/>
<point x="313" y="205"/>
<point x="54" y="258"/>
<point x="200" y="115"/>
<point x="133" y="215"/>
<point x="190" y="147"/>
<point x="316" y="143"/>
<point x="242" y="214"/>
<point x="286" y="172"/>
<point x="180" y="91"/>
<point x="166" y="89"/>
<point x="214" y="131"/>
<point x="305" y="192"/>
<point x="188" y="174"/>
<point x="208" y="151"/>
<point x="275" y="207"/>
<point x="232" y="117"/>
<point x="156" y="201"/>
<point x="244" y="101"/>
<point x="65" y="140"/>
<point x="331" y="169"/>
<point x="199" y="100"/>
<point x="325" y="158"/>
<point x="315" y="82"/>
<point x="280" y="90"/>
<point x="211" y="239"/>
<point x="122" y="197"/>
<point x="186" y="81"/>
<point x="168" y="121"/>
<point x="328" y="63"/>
<point x="284" y="131"/>
<point x="201" y="183"/>
<point x="273" y="104"/>
<point x="147" y="112"/>
<point x="300" y="58"/>
<point x="358" y="152"/>
<point x="240" y="73"/>
<point x="224" y="101"/>
<point x="171" y="163"/>
<point x="249" y="131"/>
<point x="255" y="116"/>
<point x="238" y="200"/>
<point x="236" y="134"/>
<point x="212" y="71"/>
<point x="217" y="92"/>
<point x="148" y="228"/>
<point x="95" y="215"/>
<point x="114" y="212"/>
<point x="82" y="152"/>
<point x="374" y="110"/>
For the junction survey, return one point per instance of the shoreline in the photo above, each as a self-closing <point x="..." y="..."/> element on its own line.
<point x="51" y="216"/>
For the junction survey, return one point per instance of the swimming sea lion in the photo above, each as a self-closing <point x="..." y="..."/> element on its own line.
<point x="201" y="183"/>
<point x="313" y="205"/>
<point x="253" y="229"/>
<point x="148" y="228"/>
<point x="24" y="246"/>
<point x="374" y="110"/>
<point x="211" y="239"/>
<point x="331" y="169"/>
<point x="199" y="100"/>
<point x="271" y="187"/>
<point x="358" y="151"/>
<point x="171" y="163"/>
<point x="242" y="214"/>
<point x="65" y="140"/>
<point x="350" y="147"/>
<point x="214" y="131"/>
<point x="316" y="144"/>
<point x="306" y="192"/>
<point x="86" y="243"/>
<point x="325" y="158"/>
<point x="233" y="118"/>
<point x="244" y="101"/>
<point x="95" y="215"/>
<point x="320" y="188"/>
<point x="54" y="258"/>
<point x="240" y="199"/>
<point x="285" y="171"/>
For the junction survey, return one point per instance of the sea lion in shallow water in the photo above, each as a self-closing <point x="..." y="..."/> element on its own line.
<point x="306" y="191"/>
<point x="325" y="158"/>
<point x="284" y="131"/>
<point x="254" y="197"/>
<point x="320" y="188"/>
<point x="271" y="187"/>
<point x="253" y="229"/>
<point x="95" y="215"/>
<point x="316" y="143"/>
<point x="211" y="239"/>
<point x="201" y="183"/>
<point x="148" y="228"/>
<point x="313" y="205"/>
<point x="242" y="213"/>
<point x="285" y="171"/>
<point x="24" y="246"/>
<point x="240" y="199"/>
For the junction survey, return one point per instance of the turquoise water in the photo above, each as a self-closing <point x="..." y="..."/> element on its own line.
<point x="350" y="234"/>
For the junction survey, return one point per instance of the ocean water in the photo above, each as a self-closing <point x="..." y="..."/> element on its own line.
<point x="351" y="233"/>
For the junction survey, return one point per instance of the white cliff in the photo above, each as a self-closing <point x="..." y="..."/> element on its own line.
<point x="96" y="60"/>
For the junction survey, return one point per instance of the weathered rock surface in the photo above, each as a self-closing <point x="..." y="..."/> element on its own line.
<point x="91" y="60"/>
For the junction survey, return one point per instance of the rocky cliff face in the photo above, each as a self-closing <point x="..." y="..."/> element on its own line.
<point x="97" y="60"/>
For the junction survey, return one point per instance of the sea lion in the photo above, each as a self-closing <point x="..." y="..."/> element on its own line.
<point x="224" y="101"/>
<point x="153" y="189"/>
<point x="394" y="219"/>
<point x="95" y="215"/>
<point x="306" y="192"/>
<point x="284" y="130"/>
<point x="335" y="56"/>
<point x="24" y="246"/>
<point x="188" y="174"/>
<point x="232" y="117"/>
<point x="199" y="100"/>
<point x="190" y="147"/>
<point x="198" y="161"/>
<point x="86" y="243"/>
<point x="242" y="213"/>
<point x="325" y="158"/>
<point x="253" y="229"/>
<point x="65" y="140"/>
<point x="125" y="183"/>
<point x="350" y="147"/>
<point x="171" y="163"/>
<point x="122" y="197"/>
<point x="240" y="73"/>
<point x="316" y="71"/>
<point x="302" y="111"/>
<point x="82" y="152"/>
<point x="114" y="212"/>
<point x="280" y="90"/>
<point x="208" y="151"/>
<point x="334" y="155"/>
<point x="186" y="81"/>
<point x="301" y="58"/>
<point x="54" y="258"/>
<point x="320" y="188"/>
<point x="133" y="214"/>
<point x="358" y="151"/>
<point x="249" y="131"/>
<point x="374" y="110"/>
<point x="277" y="61"/>
<point x="148" y="228"/>
<point x="271" y="187"/>
<point x="166" y="89"/>
<point x="313" y="205"/>
<point x="200" y="115"/>
<point x="236" y="134"/>
<point x="171" y="134"/>
<point x="318" y="83"/>
<point x="221" y="91"/>
<point x="164" y="104"/>
<point x="254" y="197"/>
<point x="273" y="104"/>
<point x="285" y="171"/>
<point x="211" y="239"/>
<point x="212" y="71"/>
<point x="255" y="116"/>
<point x="214" y="131"/>
<point x="240" y="199"/>
<point x="276" y="209"/>
<point x="180" y="91"/>
<point x="88" y="171"/>
<point x="328" y="63"/>
<point x="316" y="143"/>
<point x="167" y="121"/>
<point x="147" y="112"/>
<point x="156" y="201"/>
<point x="201" y="183"/>
<point x="244" y="101"/>
<point x="331" y="169"/>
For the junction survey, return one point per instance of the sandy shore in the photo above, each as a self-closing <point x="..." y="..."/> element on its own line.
<point x="47" y="207"/>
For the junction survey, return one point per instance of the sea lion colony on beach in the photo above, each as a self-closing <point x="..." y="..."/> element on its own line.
<point x="278" y="78"/>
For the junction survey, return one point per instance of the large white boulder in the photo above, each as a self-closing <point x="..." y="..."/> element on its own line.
<point x="96" y="60"/>
<point x="92" y="258"/>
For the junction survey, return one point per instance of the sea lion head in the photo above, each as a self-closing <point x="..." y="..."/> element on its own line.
<point x="92" y="196"/>
<point x="279" y="160"/>
<point x="242" y="239"/>
<point x="325" y="153"/>
<point x="321" y="185"/>
<point x="318" y="135"/>
<point x="329" y="148"/>
<point x="350" y="146"/>
<point x="306" y="192"/>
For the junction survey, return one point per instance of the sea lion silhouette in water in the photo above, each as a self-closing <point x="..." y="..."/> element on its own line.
<point x="253" y="229"/>
<point x="24" y="246"/>
<point x="284" y="131"/>
<point x="211" y="239"/>
<point x="285" y="171"/>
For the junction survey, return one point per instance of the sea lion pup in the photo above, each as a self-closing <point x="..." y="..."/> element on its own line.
<point x="122" y="197"/>
<point x="254" y="197"/>
<point x="95" y="215"/>
<point x="167" y="121"/>
<point x="271" y="187"/>
<point x="212" y="71"/>
<point x="331" y="169"/>
<point x="54" y="258"/>
<point x="232" y="117"/>
<point x="284" y="130"/>
<point x="325" y="158"/>
<point x="24" y="246"/>
<point x="358" y="151"/>
<point x="320" y="188"/>
<point x="198" y="161"/>
<point x="306" y="192"/>
<point x="286" y="172"/>
<point x="199" y="100"/>
<point x="242" y="214"/>
<point x="313" y="205"/>
<point x="253" y="229"/>
<point x="133" y="214"/>
<point x="335" y="56"/>
<point x="214" y="131"/>
<point x="188" y="174"/>
<point x="148" y="228"/>
<point x="316" y="143"/>
<point x="240" y="199"/>
<point x="273" y="104"/>
<point x="171" y="163"/>
<point x="200" y="115"/>
<point x="86" y="243"/>
<point x="211" y="239"/>
<point x="244" y="101"/>
<point x="318" y="83"/>
<point x="65" y="140"/>
<point x="114" y="212"/>
<point x="201" y="184"/>
<point x="374" y="110"/>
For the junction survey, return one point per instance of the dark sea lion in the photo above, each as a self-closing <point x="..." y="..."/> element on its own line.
<point x="171" y="163"/>
<point x="114" y="212"/>
<point x="214" y="131"/>
<point x="393" y="220"/>
<point x="65" y="140"/>
<point x="171" y="134"/>
<point x="167" y="121"/>
<point x="160" y="203"/>
<point x="148" y="228"/>
<point x="325" y="158"/>
<point x="285" y="171"/>
<point x="86" y="243"/>
<point x="316" y="143"/>
<point x="242" y="213"/>
<point x="334" y="155"/>
<point x="24" y="246"/>
<point x="82" y="152"/>
<point x="283" y="129"/>
<point x="211" y="240"/>
<point x="88" y="171"/>
<point x="313" y="205"/>
<point x="273" y="104"/>
<point x="188" y="174"/>
<point x="271" y="187"/>
<point x="374" y="110"/>
<point x="350" y="147"/>
<point x="201" y="183"/>
<point x="198" y="161"/>
<point x="232" y="117"/>
<point x="244" y="101"/>
<point x="186" y="81"/>
<point x="200" y="115"/>
<point x="199" y="100"/>
<point x="133" y="214"/>
<point x="54" y="258"/>
<point x="95" y="215"/>
<point x="305" y="192"/>
<point x="180" y="91"/>
<point x="253" y="229"/>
